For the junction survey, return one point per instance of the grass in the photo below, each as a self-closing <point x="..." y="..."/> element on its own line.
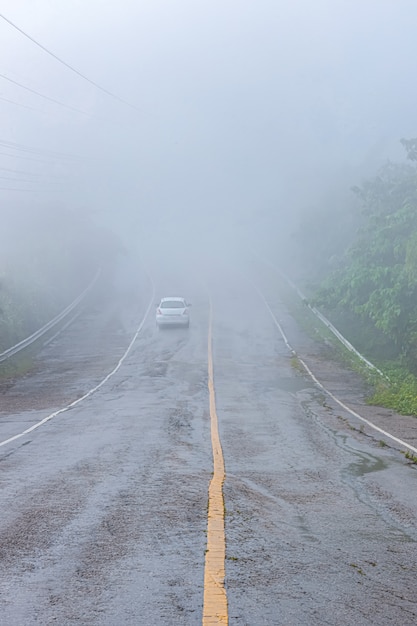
<point x="23" y="361"/>
<point x="295" y="363"/>
<point x="358" y="569"/>
<point x="400" y="393"/>
<point x="411" y="457"/>
<point x="396" y="391"/>
<point x="18" y="365"/>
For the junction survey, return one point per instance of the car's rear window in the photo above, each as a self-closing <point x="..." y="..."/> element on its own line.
<point x="172" y="304"/>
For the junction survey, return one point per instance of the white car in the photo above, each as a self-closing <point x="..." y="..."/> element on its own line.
<point x="173" y="311"/>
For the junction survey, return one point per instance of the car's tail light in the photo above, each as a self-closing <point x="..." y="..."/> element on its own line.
<point x="185" y="312"/>
<point x="158" y="311"/>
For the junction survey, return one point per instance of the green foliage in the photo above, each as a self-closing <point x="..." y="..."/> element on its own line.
<point x="410" y="456"/>
<point x="399" y="393"/>
<point x="377" y="280"/>
<point x="411" y="147"/>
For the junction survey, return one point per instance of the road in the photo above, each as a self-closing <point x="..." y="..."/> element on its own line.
<point x="105" y="506"/>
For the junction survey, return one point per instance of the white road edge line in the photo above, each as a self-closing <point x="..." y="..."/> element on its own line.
<point x="94" y="389"/>
<point x="329" y="393"/>
<point x="324" y="319"/>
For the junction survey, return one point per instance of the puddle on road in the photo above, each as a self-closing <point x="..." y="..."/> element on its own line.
<point x="365" y="464"/>
<point x="375" y="478"/>
<point x="294" y="384"/>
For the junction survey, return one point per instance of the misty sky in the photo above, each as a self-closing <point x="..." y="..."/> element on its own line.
<point x="243" y="112"/>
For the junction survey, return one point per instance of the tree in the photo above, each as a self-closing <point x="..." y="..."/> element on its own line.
<point x="378" y="278"/>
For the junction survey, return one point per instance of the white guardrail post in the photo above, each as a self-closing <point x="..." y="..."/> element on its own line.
<point x="61" y="316"/>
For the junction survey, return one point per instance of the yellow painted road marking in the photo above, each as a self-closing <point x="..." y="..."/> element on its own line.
<point x="215" y="599"/>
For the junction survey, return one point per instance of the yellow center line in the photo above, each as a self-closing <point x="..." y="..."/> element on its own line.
<point x="215" y="599"/>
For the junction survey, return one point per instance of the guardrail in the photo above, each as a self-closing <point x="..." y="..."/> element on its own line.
<point x="51" y="324"/>
<point x="325" y="321"/>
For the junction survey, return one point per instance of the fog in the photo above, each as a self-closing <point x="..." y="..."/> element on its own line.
<point x="228" y="120"/>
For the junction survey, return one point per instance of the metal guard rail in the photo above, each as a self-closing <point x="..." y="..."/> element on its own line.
<point x="36" y="335"/>
<point x="324" y="320"/>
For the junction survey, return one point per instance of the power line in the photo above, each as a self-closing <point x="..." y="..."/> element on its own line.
<point x="45" y="154"/>
<point x="11" y="145"/>
<point x="18" y="104"/>
<point x="19" y="156"/>
<point x="6" y="169"/>
<point x="92" y="82"/>
<point x="16" y="180"/>
<point x="35" y="175"/>
<point x="67" y="106"/>
<point x="30" y="180"/>
<point x="30" y="190"/>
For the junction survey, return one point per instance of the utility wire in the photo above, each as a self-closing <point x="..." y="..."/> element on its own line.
<point x="34" y="174"/>
<point x="6" y="169"/>
<point x="29" y="180"/>
<point x="18" y="156"/>
<point x="92" y="82"/>
<point x="67" y="106"/>
<point x="31" y="190"/>
<point x="11" y="145"/>
<point x="18" y="104"/>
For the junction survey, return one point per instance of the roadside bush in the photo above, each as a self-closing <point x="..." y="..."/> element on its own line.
<point x="400" y="394"/>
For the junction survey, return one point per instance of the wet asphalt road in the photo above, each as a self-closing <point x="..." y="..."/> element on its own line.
<point x="104" y="508"/>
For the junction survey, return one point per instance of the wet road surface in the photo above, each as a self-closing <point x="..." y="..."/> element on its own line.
<point x="104" y="508"/>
